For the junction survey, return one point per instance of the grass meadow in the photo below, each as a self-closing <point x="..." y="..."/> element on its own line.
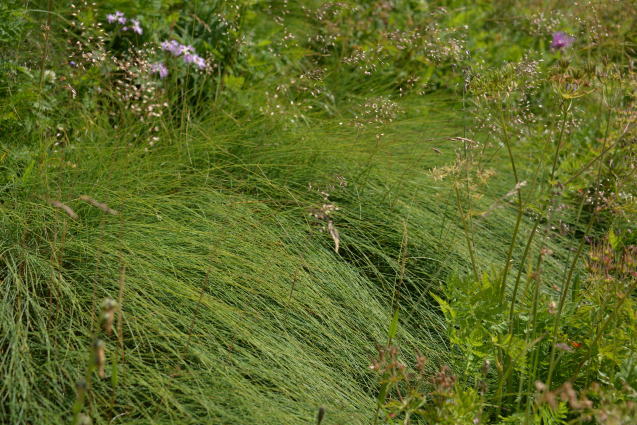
<point x="310" y="212"/>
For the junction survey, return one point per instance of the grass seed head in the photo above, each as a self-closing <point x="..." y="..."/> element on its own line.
<point x="99" y="357"/>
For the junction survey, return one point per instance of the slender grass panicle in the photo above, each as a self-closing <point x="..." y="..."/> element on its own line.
<point x="68" y="210"/>
<point x="99" y="205"/>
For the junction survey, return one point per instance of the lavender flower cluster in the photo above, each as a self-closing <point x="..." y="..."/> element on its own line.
<point x="186" y="52"/>
<point x="119" y="18"/>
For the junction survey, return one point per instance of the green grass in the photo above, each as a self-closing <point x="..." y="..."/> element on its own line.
<point x="236" y="308"/>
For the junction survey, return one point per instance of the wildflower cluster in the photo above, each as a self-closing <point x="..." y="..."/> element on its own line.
<point x="86" y="43"/>
<point x="118" y="18"/>
<point x="187" y="53"/>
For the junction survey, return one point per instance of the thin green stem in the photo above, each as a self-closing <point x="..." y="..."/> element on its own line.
<point x="470" y="247"/>
<point x="518" y="219"/>
<point x="516" y="286"/>
<point x="560" y="307"/>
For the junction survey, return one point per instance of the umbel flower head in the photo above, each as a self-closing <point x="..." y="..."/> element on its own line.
<point x="561" y="40"/>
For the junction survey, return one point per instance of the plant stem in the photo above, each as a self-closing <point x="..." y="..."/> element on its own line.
<point x="518" y="219"/>
<point x="474" y="266"/>
<point x="45" y="50"/>
<point x="560" y="307"/>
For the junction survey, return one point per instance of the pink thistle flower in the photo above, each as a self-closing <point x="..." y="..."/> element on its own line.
<point x="561" y="40"/>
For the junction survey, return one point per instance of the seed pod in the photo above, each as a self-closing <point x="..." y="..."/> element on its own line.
<point x="68" y="210"/>
<point x="109" y="306"/>
<point x="99" y="357"/>
<point x="99" y="205"/>
<point x="486" y="366"/>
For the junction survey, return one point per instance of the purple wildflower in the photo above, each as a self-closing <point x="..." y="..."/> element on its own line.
<point x="195" y="59"/>
<point x="116" y="17"/>
<point x="187" y="50"/>
<point x="136" y="28"/>
<point x="159" y="68"/>
<point x="188" y="58"/>
<point x="561" y="40"/>
<point x="72" y="64"/>
<point x="199" y="62"/>
<point x="173" y="47"/>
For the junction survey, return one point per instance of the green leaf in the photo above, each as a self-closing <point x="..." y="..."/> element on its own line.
<point x="27" y="171"/>
<point x="613" y="239"/>
<point x="233" y="83"/>
<point x="444" y="306"/>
